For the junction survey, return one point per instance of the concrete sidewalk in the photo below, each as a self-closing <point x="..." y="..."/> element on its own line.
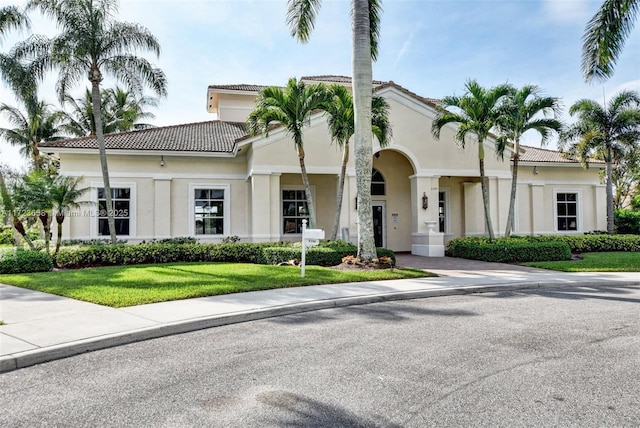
<point x="41" y="327"/>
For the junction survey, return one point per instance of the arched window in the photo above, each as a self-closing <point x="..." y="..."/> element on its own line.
<point x="378" y="186"/>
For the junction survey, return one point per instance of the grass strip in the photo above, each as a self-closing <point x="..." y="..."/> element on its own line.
<point x="120" y="286"/>
<point x="596" y="262"/>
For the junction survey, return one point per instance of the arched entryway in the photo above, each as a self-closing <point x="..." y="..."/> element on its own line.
<point x="391" y="199"/>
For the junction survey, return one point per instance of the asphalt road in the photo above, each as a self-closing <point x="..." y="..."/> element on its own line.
<point x="567" y="357"/>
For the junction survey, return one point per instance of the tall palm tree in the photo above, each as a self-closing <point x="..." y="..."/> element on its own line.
<point x="63" y="194"/>
<point x="290" y="107"/>
<point x="341" y="127"/>
<point x="92" y="43"/>
<point x="477" y="112"/>
<point x="605" y="36"/>
<point x="606" y="133"/>
<point x="365" y="18"/>
<point x="38" y="123"/>
<point x="524" y="110"/>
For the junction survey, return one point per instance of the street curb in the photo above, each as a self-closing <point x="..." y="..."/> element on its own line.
<point x="32" y="357"/>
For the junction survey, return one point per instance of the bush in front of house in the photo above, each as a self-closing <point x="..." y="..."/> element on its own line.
<point x="508" y="250"/>
<point x="627" y="221"/>
<point x="17" y="260"/>
<point x="592" y="243"/>
<point x="259" y="253"/>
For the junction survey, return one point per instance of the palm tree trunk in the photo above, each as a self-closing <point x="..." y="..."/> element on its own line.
<point x="362" y="78"/>
<point x="340" y="190"/>
<point x="96" y="101"/>
<point x="485" y="194"/>
<point x="59" y="220"/>
<point x="609" y="188"/>
<point x="45" y="219"/>
<point x="512" y="197"/>
<point x="307" y="187"/>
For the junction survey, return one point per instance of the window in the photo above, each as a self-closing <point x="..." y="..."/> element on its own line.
<point x="294" y="210"/>
<point x="567" y="211"/>
<point x="208" y="211"/>
<point x="121" y="208"/>
<point x="378" y="186"/>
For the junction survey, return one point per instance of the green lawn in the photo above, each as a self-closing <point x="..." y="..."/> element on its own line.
<point x="120" y="286"/>
<point x="596" y="262"/>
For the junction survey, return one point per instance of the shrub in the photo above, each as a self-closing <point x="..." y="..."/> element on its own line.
<point x="592" y="243"/>
<point x="15" y="260"/>
<point x="509" y="250"/>
<point x="6" y="235"/>
<point x="260" y="253"/>
<point x="627" y="221"/>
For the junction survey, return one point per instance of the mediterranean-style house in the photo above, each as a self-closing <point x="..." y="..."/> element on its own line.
<point x="212" y="180"/>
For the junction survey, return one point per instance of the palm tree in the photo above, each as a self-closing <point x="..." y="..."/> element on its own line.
<point x="11" y="18"/>
<point x="524" y="110"/>
<point x="477" y="113"/>
<point x="605" y="36"/>
<point x="93" y="43"/>
<point x="31" y="127"/>
<point x="341" y="127"/>
<point x="63" y="195"/>
<point x="607" y="133"/>
<point x="9" y="207"/>
<point x="290" y="107"/>
<point x="32" y="196"/>
<point x="365" y="17"/>
<point x="125" y="109"/>
<point x="121" y="111"/>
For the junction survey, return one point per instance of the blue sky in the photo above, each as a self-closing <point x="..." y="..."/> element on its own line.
<point x="429" y="47"/>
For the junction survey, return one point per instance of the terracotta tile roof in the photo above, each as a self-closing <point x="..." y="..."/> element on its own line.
<point x="434" y="102"/>
<point x="212" y="136"/>
<point x="335" y="79"/>
<point x="537" y="154"/>
<point x="239" y="87"/>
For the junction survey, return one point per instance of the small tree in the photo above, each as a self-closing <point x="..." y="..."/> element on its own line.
<point x="290" y="107"/>
<point x="476" y="112"/>
<point x="606" y="133"/>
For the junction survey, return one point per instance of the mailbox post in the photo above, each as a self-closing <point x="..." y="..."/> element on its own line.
<point x="310" y="238"/>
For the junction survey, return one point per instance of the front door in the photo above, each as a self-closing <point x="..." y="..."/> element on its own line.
<point x="379" y="226"/>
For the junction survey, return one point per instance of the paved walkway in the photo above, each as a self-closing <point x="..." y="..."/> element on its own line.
<point x="41" y="327"/>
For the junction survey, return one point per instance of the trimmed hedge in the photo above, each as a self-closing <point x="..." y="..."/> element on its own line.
<point x="16" y="260"/>
<point x="508" y="250"/>
<point x="259" y="253"/>
<point x="592" y="243"/>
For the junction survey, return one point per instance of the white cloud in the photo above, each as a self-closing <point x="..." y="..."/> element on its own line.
<point x="569" y="11"/>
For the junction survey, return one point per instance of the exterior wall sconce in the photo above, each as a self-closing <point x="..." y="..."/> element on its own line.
<point x="425" y="201"/>
<point x="162" y="160"/>
<point x="356" y="203"/>
<point x="535" y="170"/>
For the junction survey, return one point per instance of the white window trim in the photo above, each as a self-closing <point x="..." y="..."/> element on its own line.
<point x="227" y="208"/>
<point x="579" y="214"/>
<point x="447" y="208"/>
<point x="293" y="187"/>
<point x="132" y="186"/>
